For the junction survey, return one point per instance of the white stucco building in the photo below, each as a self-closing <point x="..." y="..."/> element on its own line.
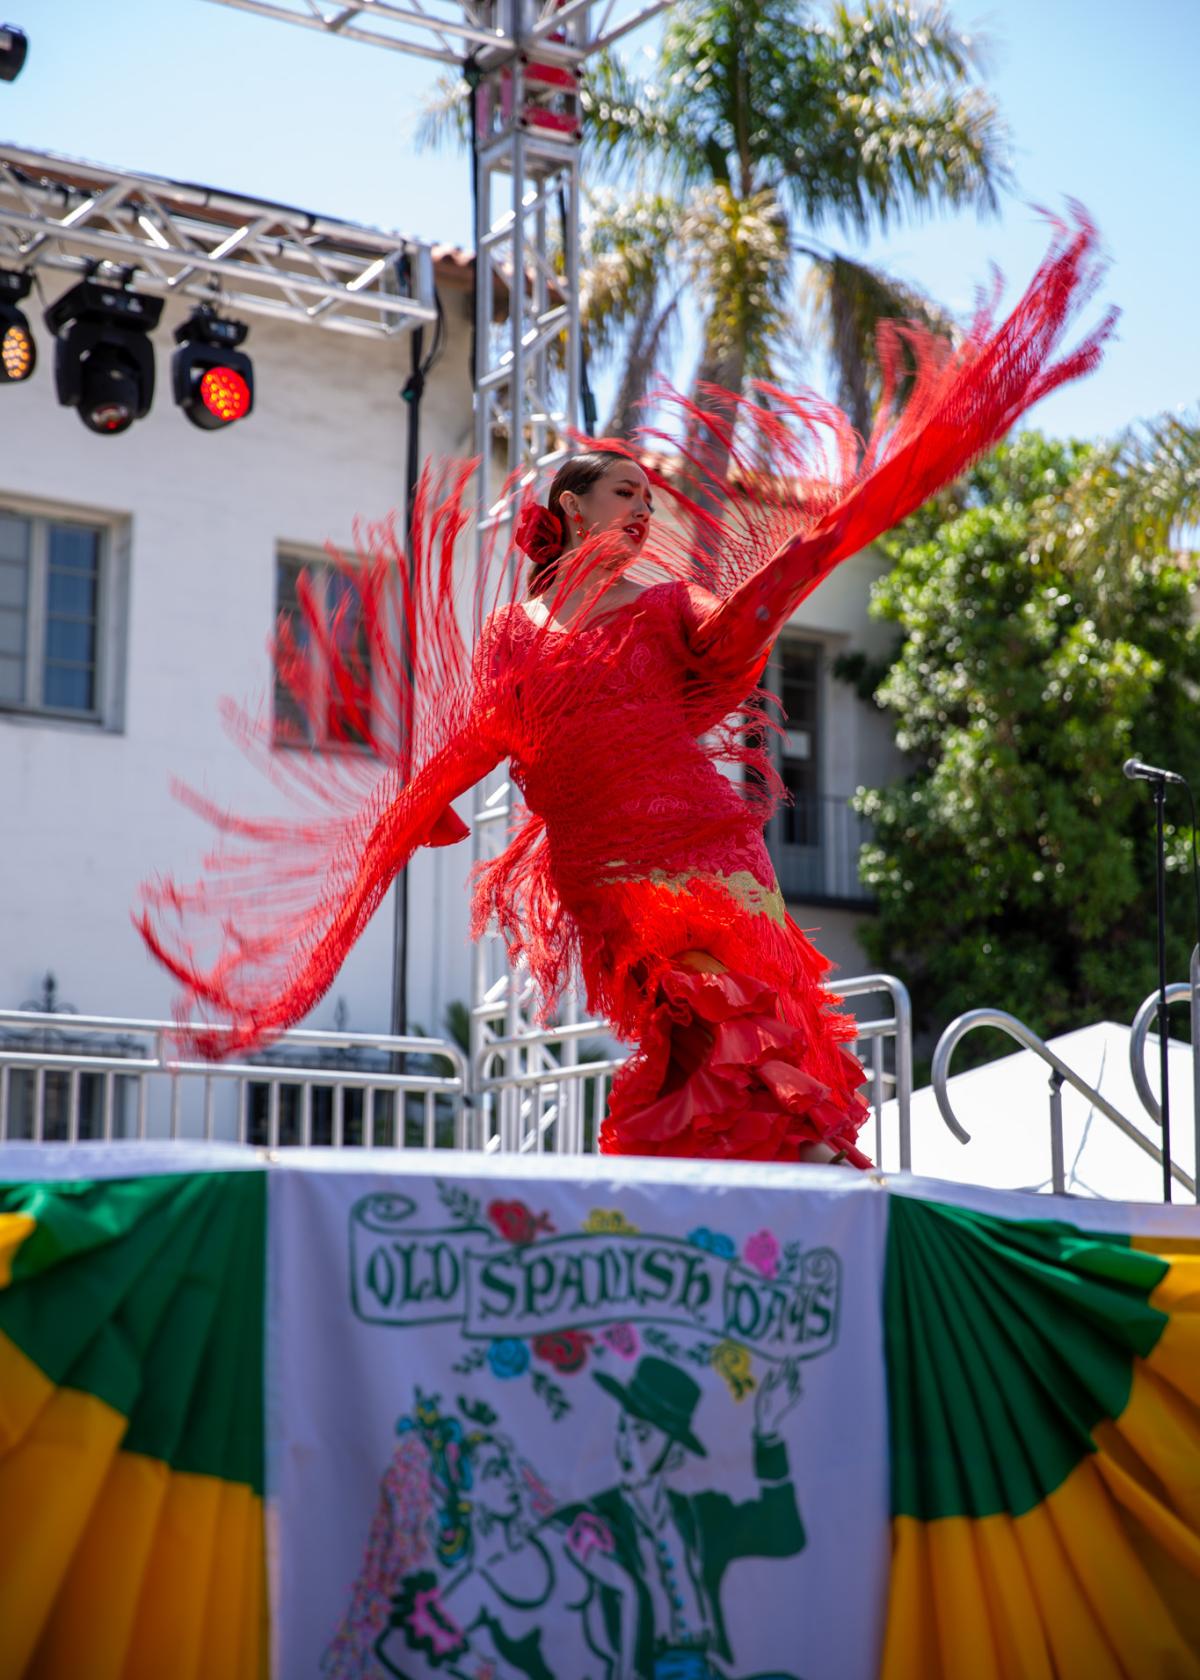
<point x="140" y="576"/>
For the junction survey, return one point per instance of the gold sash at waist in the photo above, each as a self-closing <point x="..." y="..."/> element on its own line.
<point x="741" y="885"/>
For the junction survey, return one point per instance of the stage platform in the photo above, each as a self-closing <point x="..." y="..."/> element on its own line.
<point x="359" y="1414"/>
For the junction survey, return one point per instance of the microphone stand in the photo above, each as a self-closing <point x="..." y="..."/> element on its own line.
<point x="1160" y="795"/>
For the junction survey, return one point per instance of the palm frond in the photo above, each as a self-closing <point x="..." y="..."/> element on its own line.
<point x="646" y="346"/>
<point x="887" y="156"/>
<point x="740" y="258"/>
<point x="627" y="255"/>
<point x="892" y="121"/>
<point x="446" y="115"/>
<point x="628" y="246"/>
<point x="901" y="45"/>
<point x="847" y="300"/>
<point x="1137" y="498"/>
<point x="631" y="124"/>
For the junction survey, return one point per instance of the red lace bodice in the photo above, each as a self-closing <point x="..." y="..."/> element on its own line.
<point x="607" y="756"/>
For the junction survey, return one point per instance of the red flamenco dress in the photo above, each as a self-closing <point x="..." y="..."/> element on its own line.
<point x="634" y="861"/>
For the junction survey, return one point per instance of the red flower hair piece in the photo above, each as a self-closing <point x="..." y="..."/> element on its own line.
<point x="540" y="534"/>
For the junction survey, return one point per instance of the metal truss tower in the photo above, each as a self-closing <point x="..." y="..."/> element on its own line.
<point x="523" y="61"/>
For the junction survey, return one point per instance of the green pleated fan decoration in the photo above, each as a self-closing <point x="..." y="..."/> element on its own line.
<point x="148" y="1293"/>
<point x="1007" y="1343"/>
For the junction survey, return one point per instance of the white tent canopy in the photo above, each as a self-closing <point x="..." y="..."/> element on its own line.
<point x="1005" y="1106"/>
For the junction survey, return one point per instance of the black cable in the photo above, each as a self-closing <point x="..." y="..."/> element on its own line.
<point x="471" y="73"/>
<point x="411" y="393"/>
<point x="1159" y="788"/>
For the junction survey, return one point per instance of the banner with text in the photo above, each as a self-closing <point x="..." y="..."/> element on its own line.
<point x="519" y="1430"/>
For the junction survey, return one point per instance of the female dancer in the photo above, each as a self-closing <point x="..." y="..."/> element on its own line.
<point x="616" y="688"/>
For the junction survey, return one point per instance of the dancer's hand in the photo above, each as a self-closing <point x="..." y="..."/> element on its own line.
<point x="777" y="1394"/>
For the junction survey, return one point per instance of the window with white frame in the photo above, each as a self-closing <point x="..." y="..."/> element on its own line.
<point x="799" y="687"/>
<point x="328" y="720"/>
<point x="54" y="587"/>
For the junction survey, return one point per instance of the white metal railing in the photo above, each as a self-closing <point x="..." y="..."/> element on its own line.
<point x="72" y="1078"/>
<point x="533" y="1092"/>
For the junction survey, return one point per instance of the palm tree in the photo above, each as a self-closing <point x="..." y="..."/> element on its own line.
<point x="764" y="124"/>
<point x="1135" y="502"/>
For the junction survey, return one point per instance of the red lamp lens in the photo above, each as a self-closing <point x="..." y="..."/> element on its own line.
<point x="110" y="417"/>
<point x="225" y="394"/>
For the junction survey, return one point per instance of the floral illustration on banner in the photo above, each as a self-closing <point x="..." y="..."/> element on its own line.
<point x="516" y="1222"/>
<point x="540" y="1306"/>
<point x="508" y="1357"/>
<point x="762" y="1252"/>
<point x="426" y="1623"/>
<point x="609" y="1222"/>
<point x="713" y="1242"/>
<point x="566" y="1350"/>
<point x="622" y="1339"/>
<point x="733" y="1363"/>
<point x="462" y="1207"/>
<point x="589" y="1533"/>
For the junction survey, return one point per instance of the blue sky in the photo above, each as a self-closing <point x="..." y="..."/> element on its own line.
<point x="1101" y="99"/>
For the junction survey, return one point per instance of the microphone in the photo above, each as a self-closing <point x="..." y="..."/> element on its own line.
<point x="1139" y="772"/>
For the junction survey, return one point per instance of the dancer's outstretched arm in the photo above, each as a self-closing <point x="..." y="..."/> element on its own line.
<point x="290" y="898"/>
<point x="960" y="404"/>
<point x="401" y="716"/>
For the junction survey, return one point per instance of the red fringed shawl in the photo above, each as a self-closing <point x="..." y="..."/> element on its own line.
<point x="615" y="727"/>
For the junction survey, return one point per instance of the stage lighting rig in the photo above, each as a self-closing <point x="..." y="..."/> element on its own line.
<point x="14" y="44"/>
<point x="104" y="361"/>
<point x="213" y="380"/>
<point x="18" y="352"/>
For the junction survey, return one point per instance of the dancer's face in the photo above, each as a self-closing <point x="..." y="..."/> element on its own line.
<point x="619" y="502"/>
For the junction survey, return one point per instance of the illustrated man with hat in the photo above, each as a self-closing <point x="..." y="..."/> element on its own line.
<point x="660" y="1579"/>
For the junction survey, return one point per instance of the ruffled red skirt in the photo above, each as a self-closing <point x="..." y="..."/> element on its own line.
<point x="740" y="1055"/>
<point x="721" y="1072"/>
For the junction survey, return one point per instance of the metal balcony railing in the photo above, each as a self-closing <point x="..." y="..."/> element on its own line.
<point x="815" y="846"/>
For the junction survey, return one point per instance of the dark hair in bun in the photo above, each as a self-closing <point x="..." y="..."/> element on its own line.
<point x="542" y="532"/>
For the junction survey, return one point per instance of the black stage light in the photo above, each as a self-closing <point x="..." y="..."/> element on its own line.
<point x="18" y="352"/>
<point x="213" y="380"/>
<point x="104" y="363"/>
<point x="13" y="47"/>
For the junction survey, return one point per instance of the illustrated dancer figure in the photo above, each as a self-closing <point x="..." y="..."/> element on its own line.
<point x="616" y="676"/>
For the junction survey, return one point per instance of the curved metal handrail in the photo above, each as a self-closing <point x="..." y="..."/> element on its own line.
<point x="973" y="1018"/>
<point x="1189" y="988"/>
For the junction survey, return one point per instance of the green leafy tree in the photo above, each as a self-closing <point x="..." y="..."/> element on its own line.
<point x="1048" y="632"/>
